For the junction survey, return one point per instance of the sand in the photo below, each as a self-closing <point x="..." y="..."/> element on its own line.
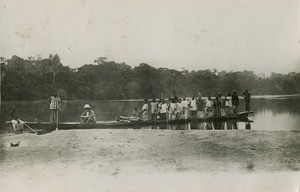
<point x="151" y="160"/>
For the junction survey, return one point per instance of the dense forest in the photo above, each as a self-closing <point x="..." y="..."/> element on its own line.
<point x="38" y="78"/>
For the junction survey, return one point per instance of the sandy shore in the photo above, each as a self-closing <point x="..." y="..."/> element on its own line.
<point x="151" y="160"/>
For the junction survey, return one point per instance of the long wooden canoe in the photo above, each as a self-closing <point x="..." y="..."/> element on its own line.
<point x="242" y="116"/>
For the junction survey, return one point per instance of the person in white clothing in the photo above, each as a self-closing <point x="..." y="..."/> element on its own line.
<point x="179" y="109"/>
<point x="228" y="104"/>
<point x="145" y="111"/>
<point x="185" y="108"/>
<point x="159" y="108"/>
<point x="154" y="109"/>
<point x="193" y="107"/>
<point x="163" y="110"/>
<point x="208" y="106"/>
<point x="172" y="109"/>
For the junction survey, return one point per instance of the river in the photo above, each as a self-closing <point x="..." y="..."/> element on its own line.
<point x="270" y="112"/>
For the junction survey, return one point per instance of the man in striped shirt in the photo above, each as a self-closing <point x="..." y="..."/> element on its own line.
<point x="54" y="102"/>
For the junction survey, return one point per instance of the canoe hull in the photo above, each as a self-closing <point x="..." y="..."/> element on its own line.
<point x="46" y="126"/>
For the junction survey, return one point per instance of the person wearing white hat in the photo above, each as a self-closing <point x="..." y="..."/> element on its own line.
<point x="88" y="116"/>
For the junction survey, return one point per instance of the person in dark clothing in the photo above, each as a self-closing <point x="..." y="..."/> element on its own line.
<point x="235" y="102"/>
<point x="217" y="106"/>
<point x="246" y="95"/>
<point x="222" y="102"/>
<point x="200" y="107"/>
<point x="199" y="103"/>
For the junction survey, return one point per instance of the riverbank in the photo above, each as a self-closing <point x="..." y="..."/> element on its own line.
<point x="151" y="160"/>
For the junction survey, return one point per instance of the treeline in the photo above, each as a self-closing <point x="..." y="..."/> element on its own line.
<point x="38" y="78"/>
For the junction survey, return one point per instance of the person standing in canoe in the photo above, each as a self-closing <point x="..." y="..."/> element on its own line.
<point x="172" y="109"/>
<point x="159" y="105"/>
<point x="235" y="102"/>
<point x="217" y="106"/>
<point x="222" y="106"/>
<point x="185" y="108"/>
<point x="145" y="110"/>
<point x="228" y="104"/>
<point x="17" y="124"/>
<point x="88" y="116"/>
<point x="199" y="102"/>
<point x="246" y="95"/>
<point x="208" y="106"/>
<point x="54" y="102"/>
<point x="193" y="108"/>
<point x="163" y="110"/>
<point x="179" y="109"/>
<point x="154" y="110"/>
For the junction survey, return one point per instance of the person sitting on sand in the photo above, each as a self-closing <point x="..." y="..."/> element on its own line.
<point x="88" y="116"/>
<point x="17" y="124"/>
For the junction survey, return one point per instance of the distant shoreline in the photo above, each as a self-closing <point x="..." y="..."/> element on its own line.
<point x="253" y="97"/>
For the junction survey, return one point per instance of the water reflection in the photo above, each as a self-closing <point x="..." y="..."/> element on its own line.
<point x="215" y="125"/>
<point x="232" y="125"/>
<point x="248" y="125"/>
<point x="209" y="126"/>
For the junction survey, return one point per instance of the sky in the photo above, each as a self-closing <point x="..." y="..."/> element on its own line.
<point x="231" y="35"/>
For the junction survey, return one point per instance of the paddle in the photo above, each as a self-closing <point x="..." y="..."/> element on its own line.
<point x="30" y="128"/>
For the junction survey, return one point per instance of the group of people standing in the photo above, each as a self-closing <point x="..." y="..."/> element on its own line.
<point x="196" y="107"/>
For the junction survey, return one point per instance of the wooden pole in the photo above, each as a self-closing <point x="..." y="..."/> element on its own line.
<point x="57" y="120"/>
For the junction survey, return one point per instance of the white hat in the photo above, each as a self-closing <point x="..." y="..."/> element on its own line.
<point x="87" y="106"/>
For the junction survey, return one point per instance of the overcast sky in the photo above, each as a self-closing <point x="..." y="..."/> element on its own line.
<point x="259" y="35"/>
